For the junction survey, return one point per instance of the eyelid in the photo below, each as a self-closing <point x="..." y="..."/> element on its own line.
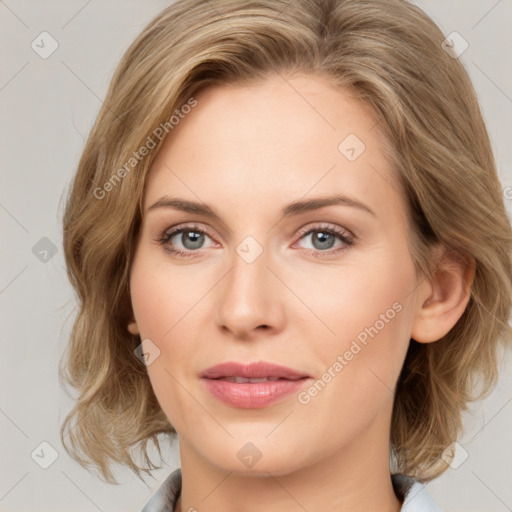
<point x="327" y="227"/>
<point x="300" y="232"/>
<point x="342" y="233"/>
<point x="172" y="231"/>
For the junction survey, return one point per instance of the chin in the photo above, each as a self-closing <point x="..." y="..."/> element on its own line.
<point x="255" y="459"/>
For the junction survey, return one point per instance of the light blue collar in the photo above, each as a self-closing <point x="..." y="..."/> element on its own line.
<point x="415" y="495"/>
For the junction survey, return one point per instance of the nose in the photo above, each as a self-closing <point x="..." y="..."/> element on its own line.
<point x="250" y="301"/>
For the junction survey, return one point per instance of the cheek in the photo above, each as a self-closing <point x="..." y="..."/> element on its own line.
<point x="164" y="300"/>
<point x="367" y="291"/>
<point x="162" y="295"/>
<point x="366" y="313"/>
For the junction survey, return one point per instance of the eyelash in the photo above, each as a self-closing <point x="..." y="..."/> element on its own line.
<point x="347" y="240"/>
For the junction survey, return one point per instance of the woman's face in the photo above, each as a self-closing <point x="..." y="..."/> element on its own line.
<point x="329" y="292"/>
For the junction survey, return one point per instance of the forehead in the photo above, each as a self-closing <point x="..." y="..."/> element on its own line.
<point x="270" y="143"/>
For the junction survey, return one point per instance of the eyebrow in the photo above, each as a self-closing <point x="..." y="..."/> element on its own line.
<point x="292" y="209"/>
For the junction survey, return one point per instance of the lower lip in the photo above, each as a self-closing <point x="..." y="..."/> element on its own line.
<point x="253" y="395"/>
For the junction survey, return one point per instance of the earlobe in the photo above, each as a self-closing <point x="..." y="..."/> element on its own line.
<point x="443" y="298"/>
<point x="133" y="328"/>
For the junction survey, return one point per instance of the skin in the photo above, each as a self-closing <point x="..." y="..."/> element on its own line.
<point x="247" y="151"/>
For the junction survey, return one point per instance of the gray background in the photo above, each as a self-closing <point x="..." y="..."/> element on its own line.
<point x="47" y="108"/>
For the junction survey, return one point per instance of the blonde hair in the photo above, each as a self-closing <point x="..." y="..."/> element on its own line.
<point x="389" y="53"/>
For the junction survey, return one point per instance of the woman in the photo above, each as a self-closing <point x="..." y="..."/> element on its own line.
<point x="290" y="248"/>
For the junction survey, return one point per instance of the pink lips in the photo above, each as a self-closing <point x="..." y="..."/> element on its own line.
<point x="229" y="382"/>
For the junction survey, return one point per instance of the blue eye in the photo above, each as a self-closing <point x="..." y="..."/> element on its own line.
<point x="192" y="238"/>
<point x="323" y="239"/>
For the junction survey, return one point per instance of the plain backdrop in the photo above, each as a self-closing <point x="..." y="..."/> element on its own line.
<point x="48" y="106"/>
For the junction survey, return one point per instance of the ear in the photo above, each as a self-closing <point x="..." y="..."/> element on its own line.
<point x="132" y="324"/>
<point x="443" y="297"/>
<point x="133" y="328"/>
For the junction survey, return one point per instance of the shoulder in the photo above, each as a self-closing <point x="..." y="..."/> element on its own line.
<point x="415" y="496"/>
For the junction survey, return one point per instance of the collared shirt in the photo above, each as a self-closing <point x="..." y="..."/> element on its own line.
<point x="415" y="496"/>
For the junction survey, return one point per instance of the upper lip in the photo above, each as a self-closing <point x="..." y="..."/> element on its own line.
<point x="256" y="370"/>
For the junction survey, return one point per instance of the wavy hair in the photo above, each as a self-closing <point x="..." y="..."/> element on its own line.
<point x="387" y="52"/>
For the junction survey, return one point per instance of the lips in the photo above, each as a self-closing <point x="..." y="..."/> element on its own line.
<point x="253" y="385"/>
<point x="258" y="370"/>
<point x="243" y="380"/>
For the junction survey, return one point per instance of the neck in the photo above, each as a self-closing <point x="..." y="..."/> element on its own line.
<point x="354" y="478"/>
